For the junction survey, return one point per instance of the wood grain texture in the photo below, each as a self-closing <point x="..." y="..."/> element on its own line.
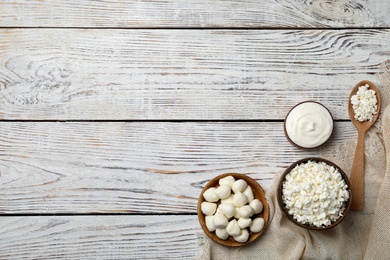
<point x="99" y="237"/>
<point x="182" y="74"/>
<point x="195" y="13"/>
<point x="136" y="167"/>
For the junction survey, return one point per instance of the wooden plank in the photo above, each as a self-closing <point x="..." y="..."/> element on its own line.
<point x="194" y="13"/>
<point x="186" y="74"/>
<point x="99" y="237"/>
<point x="136" y="167"/>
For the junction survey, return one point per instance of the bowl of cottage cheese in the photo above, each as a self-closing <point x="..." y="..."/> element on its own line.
<point x="314" y="193"/>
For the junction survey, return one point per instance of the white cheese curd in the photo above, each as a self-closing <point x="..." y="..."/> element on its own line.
<point x="209" y="223"/>
<point x="246" y="211"/>
<point x="244" y="222"/>
<point x="309" y="124"/>
<point x="239" y="199"/>
<point x="208" y="208"/>
<point x="219" y="220"/>
<point x="223" y="191"/>
<point x="249" y="193"/>
<point x="243" y="237"/>
<point x="257" y="225"/>
<point x="227" y="209"/>
<point x="315" y="194"/>
<point x="228" y="199"/>
<point x="256" y="205"/>
<point x="222" y="233"/>
<point x="239" y="186"/>
<point x="210" y="195"/>
<point x="233" y="228"/>
<point x="229" y="180"/>
<point x="364" y="104"/>
<point x="237" y="214"/>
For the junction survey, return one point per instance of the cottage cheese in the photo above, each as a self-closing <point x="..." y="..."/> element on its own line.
<point x="364" y="104"/>
<point x="315" y="194"/>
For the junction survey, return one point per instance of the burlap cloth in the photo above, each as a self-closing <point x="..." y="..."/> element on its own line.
<point x="361" y="235"/>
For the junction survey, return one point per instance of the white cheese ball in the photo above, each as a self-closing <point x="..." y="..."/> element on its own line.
<point x="227" y="209"/>
<point x="219" y="220"/>
<point x="244" y="222"/>
<point x="208" y="208"/>
<point x="246" y="211"/>
<point x="239" y="199"/>
<point x="210" y="195"/>
<point x="228" y="199"/>
<point x="223" y="191"/>
<point x="237" y="214"/>
<point x="257" y="225"/>
<point x="229" y="180"/>
<point x="256" y="205"/>
<point x="249" y="193"/>
<point x="209" y="223"/>
<point x="222" y="233"/>
<point x="239" y="185"/>
<point x="243" y="237"/>
<point x="233" y="228"/>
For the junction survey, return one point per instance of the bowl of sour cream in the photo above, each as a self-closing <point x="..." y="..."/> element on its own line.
<point x="308" y="125"/>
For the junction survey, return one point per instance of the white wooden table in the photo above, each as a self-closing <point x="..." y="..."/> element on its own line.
<point x="114" y="114"/>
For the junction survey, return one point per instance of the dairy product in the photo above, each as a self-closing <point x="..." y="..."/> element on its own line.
<point x="231" y="215"/>
<point x="257" y="225"/>
<point x="315" y="194"/>
<point x="256" y="205"/>
<point x="243" y="237"/>
<point x="208" y="208"/>
<point x="223" y="191"/>
<point x="309" y="124"/>
<point x="210" y="195"/>
<point x="364" y="104"/>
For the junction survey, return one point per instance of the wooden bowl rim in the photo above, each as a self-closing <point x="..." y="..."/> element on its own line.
<point x="257" y="189"/>
<point x="316" y="159"/>
<point x="288" y="137"/>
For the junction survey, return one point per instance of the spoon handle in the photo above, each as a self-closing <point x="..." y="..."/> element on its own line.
<point x="356" y="178"/>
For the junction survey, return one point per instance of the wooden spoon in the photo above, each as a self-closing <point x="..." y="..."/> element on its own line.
<point x="357" y="171"/>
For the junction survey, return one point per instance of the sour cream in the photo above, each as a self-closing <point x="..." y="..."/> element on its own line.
<point x="309" y="124"/>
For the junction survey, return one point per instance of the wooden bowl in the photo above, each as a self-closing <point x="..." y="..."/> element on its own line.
<point x="288" y="137"/>
<point x="258" y="193"/>
<point x="280" y="193"/>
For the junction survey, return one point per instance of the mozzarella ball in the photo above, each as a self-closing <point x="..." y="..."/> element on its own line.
<point x="219" y="220"/>
<point x="210" y="195"/>
<point x="208" y="208"/>
<point x="239" y="185"/>
<point x="229" y="180"/>
<point x="222" y="233"/>
<point x="257" y="225"/>
<point x="227" y="209"/>
<point x="246" y="211"/>
<point x="243" y="237"/>
<point x="228" y="199"/>
<point x="249" y="193"/>
<point x="209" y="223"/>
<point x="239" y="199"/>
<point x="233" y="228"/>
<point x="244" y="222"/>
<point x="256" y="205"/>
<point x="237" y="214"/>
<point x="223" y="191"/>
